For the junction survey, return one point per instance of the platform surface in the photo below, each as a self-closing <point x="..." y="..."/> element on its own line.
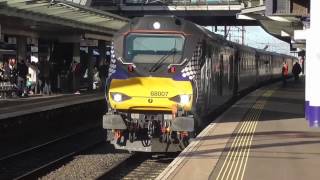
<point x="21" y="106"/>
<point x="263" y="136"/>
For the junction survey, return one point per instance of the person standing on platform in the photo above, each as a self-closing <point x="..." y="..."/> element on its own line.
<point x="96" y="78"/>
<point x="1" y="72"/>
<point x="76" y="73"/>
<point x="103" y="72"/>
<point x="45" y="67"/>
<point x="284" y="73"/>
<point x="13" y="73"/>
<point x="2" y="79"/>
<point x="296" y="70"/>
<point x="33" y="77"/>
<point x="302" y="64"/>
<point x="22" y="77"/>
<point x="13" y="76"/>
<point x="6" y="71"/>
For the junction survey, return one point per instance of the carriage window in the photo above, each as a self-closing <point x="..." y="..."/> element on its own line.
<point x="149" y="48"/>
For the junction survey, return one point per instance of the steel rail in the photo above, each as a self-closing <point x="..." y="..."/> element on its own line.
<point x="57" y="158"/>
<point x="38" y="147"/>
<point x="138" y="164"/>
<point x="41" y="171"/>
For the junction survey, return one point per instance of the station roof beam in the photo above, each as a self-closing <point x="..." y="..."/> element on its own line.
<point x="63" y="13"/>
<point x="280" y="18"/>
<point x="203" y="12"/>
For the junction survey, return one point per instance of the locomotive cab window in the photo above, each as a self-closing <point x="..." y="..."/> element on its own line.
<point x="150" y="48"/>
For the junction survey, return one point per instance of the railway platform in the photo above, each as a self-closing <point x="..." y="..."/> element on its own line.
<point x="262" y="136"/>
<point x="22" y="106"/>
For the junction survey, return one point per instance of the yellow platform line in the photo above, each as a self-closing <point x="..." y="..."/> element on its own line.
<point x="241" y="141"/>
<point x="242" y="127"/>
<point x="246" y="123"/>
<point x="242" y="166"/>
<point x="241" y="149"/>
<point x="267" y="94"/>
<point x="241" y="145"/>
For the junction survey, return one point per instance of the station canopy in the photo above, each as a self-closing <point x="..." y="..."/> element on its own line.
<point x="49" y="13"/>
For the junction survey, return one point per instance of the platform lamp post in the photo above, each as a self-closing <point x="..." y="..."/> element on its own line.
<point x="312" y="105"/>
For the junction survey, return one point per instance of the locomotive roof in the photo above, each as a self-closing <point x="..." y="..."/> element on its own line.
<point x="173" y="23"/>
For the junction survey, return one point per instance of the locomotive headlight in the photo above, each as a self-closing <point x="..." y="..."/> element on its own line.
<point x="184" y="99"/>
<point x="119" y="97"/>
<point x="156" y="25"/>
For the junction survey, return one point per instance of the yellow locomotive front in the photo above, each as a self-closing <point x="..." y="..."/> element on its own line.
<point x="150" y="92"/>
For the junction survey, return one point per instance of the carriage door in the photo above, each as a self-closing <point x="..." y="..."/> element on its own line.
<point x="257" y="63"/>
<point x="236" y="61"/>
<point x="231" y="73"/>
<point x="220" y="76"/>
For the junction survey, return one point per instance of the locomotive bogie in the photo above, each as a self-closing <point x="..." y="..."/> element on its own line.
<point x="146" y="132"/>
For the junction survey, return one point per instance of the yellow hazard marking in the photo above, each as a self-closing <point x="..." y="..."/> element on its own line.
<point x="236" y="159"/>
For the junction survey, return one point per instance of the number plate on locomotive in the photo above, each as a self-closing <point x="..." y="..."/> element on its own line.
<point x="159" y="93"/>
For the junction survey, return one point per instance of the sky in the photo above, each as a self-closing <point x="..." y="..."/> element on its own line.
<point x="256" y="37"/>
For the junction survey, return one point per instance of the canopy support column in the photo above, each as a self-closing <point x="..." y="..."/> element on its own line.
<point x="312" y="105"/>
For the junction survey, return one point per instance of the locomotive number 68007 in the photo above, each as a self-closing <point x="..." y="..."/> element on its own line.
<point x="159" y="93"/>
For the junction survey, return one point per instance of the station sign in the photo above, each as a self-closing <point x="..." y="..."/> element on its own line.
<point x="34" y="49"/>
<point x="89" y="42"/>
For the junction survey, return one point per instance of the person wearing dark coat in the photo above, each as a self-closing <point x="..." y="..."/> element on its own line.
<point x="6" y="71"/>
<point x="13" y="73"/>
<point x="2" y="80"/>
<point x="1" y="72"/>
<point x="22" y="77"/>
<point x="296" y="70"/>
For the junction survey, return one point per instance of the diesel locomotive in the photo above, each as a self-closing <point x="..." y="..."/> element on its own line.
<point x="166" y="73"/>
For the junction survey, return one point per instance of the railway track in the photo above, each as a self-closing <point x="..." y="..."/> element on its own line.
<point x="140" y="166"/>
<point x="37" y="161"/>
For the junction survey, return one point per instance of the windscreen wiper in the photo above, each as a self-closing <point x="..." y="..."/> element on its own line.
<point x="158" y="64"/>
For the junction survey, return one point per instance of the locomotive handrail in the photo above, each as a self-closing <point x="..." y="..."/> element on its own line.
<point x="126" y="63"/>
<point x="180" y="64"/>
